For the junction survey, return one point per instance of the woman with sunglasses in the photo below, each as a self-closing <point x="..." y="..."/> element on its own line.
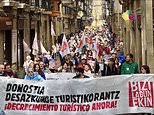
<point x="144" y="69"/>
<point x="38" y="70"/>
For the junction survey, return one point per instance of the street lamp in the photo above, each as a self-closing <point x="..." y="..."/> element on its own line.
<point x="80" y="15"/>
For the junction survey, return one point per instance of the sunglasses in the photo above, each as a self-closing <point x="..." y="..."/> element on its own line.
<point x="30" y="71"/>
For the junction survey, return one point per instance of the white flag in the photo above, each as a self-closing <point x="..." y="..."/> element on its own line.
<point x="81" y="43"/>
<point x="26" y="47"/>
<point x="64" y="48"/>
<point x="43" y="50"/>
<point x="96" y="48"/>
<point x="90" y="43"/>
<point x="35" y="45"/>
<point x="52" y="30"/>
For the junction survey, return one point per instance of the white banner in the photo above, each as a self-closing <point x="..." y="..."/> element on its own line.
<point x="95" y="96"/>
<point x="64" y="76"/>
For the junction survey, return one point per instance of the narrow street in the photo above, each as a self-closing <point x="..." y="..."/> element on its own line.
<point x="76" y="57"/>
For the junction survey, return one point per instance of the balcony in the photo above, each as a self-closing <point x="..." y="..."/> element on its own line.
<point x="10" y="3"/>
<point x="67" y="2"/>
<point x="38" y="10"/>
<point x="32" y="8"/>
<point x="24" y="6"/>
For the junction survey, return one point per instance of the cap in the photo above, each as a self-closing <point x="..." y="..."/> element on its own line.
<point x="83" y="57"/>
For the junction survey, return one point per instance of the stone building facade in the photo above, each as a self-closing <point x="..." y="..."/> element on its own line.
<point x="19" y="20"/>
<point x="138" y="37"/>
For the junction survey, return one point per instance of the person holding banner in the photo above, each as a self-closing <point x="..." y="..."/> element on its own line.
<point x="80" y="74"/>
<point x="111" y="67"/>
<point x="32" y="75"/>
<point x="38" y="70"/>
<point x="65" y="68"/>
<point x="42" y="66"/>
<point x="144" y="69"/>
<point x="9" y="72"/>
<point x="2" y="68"/>
<point x="129" y="66"/>
<point x="69" y="63"/>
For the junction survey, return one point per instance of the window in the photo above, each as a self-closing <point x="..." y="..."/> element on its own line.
<point x="46" y="4"/>
<point x="32" y="2"/>
<point x="40" y="3"/>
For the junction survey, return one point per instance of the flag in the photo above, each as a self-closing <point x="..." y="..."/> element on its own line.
<point x="96" y="48"/>
<point x="64" y="48"/>
<point x="26" y="47"/>
<point x="81" y="43"/>
<point x="90" y="43"/>
<point x="35" y="45"/>
<point x="43" y="50"/>
<point x="52" y="30"/>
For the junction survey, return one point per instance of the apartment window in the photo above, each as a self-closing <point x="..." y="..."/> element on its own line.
<point x="37" y="3"/>
<point x="63" y="9"/>
<point x="46" y="4"/>
<point x="32" y="2"/>
<point x="40" y="3"/>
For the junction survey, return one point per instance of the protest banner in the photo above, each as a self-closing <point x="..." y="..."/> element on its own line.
<point x="98" y="96"/>
<point x="64" y="76"/>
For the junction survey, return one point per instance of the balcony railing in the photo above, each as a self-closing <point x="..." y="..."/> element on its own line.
<point x="10" y="3"/>
<point x="24" y="1"/>
<point x="45" y="4"/>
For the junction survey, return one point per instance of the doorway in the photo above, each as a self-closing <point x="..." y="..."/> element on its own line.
<point x="32" y="35"/>
<point x="21" y="50"/>
<point x="8" y="46"/>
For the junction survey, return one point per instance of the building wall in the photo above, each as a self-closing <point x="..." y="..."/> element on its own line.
<point x="149" y="34"/>
<point x="116" y="18"/>
<point x="97" y="13"/>
<point x="33" y="19"/>
<point x="138" y="38"/>
<point x="1" y="46"/>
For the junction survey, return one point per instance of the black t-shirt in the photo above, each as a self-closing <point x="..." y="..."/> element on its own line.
<point x="77" y="77"/>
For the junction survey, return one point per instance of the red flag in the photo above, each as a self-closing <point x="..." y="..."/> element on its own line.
<point x="96" y="47"/>
<point x="64" y="48"/>
<point x="82" y="42"/>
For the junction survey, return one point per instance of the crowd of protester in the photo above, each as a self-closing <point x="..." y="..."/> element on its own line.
<point x="102" y="54"/>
